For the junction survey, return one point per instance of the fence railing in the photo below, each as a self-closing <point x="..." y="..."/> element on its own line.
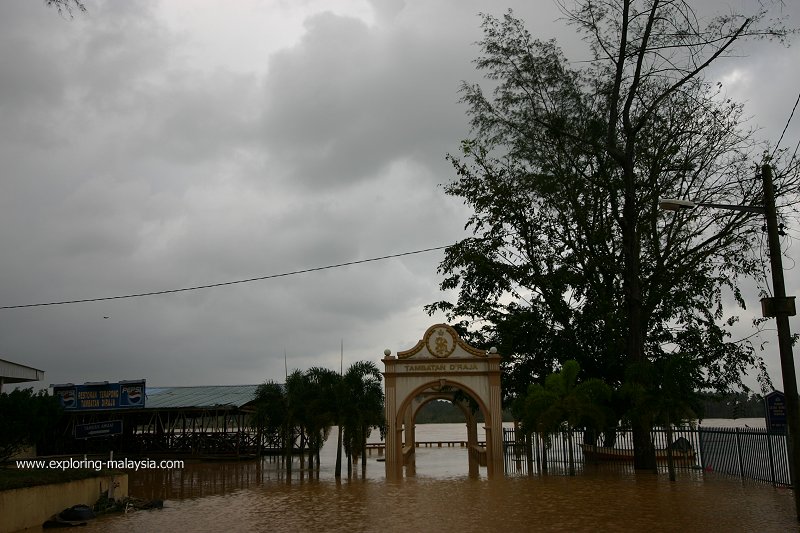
<point x="748" y="453"/>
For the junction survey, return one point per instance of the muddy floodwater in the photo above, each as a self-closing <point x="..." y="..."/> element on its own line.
<point x="594" y="503"/>
<point x="442" y="497"/>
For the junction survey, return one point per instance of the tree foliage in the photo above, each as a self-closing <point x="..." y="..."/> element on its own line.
<point x="26" y="418"/>
<point x="571" y="256"/>
<point x="363" y="409"/>
<point x="563" y="403"/>
<point x="564" y="162"/>
<point x="65" y="7"/>
<point x="663" y="392"/>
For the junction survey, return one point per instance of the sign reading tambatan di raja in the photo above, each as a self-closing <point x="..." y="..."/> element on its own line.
<point x="442" y="367"/>
<point x="99" y="396"/>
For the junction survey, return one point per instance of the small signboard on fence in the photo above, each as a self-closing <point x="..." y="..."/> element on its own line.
<point x="775" y="404"/>
<point x="98" y="429"/>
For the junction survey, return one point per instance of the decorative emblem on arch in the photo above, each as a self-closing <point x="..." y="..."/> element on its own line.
<point x="440" y="341"/>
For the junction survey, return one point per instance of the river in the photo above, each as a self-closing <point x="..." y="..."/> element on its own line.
<point x="442" y="497"/>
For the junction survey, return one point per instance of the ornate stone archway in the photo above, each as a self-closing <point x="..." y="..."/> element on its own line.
<point x="438" y="364"/>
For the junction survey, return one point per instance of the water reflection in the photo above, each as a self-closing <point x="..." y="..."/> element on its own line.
<point x="597" y="501"/>
<point x="197" y="480"/>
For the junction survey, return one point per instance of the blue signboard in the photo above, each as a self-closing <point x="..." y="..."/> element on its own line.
<point x="775" y="403"/>
<point x="101" y="396"/>
<point x="98" y="429"/>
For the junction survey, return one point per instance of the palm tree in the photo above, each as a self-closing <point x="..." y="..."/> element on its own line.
<point x="270" y="411"/>
<point x="298" y="392"/>
<point x="562" y="401"/>
<point x="362" y="409"/>
<point x="312" y="402"/>
<point x="340" y="396"/>
<point x="321" y="409"/>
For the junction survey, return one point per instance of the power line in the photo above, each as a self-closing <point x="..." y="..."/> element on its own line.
<point x="787" y="125"/>
<point x="212" y="285"/>
<point x="795" y="150"/>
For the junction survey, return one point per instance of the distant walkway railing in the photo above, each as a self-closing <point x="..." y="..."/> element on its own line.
<point x="380" y="447"/>
<point x="747" y="453"/>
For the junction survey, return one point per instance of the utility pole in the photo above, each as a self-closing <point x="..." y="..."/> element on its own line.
<point x="781" y="308"/>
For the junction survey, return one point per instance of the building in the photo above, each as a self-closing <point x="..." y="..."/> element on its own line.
<point x="16" y="373"/>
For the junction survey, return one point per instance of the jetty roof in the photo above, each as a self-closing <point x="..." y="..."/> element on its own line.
<point x="201" y="397"/>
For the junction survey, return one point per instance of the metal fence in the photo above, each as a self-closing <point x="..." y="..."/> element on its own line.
<point x="748" y="453"/>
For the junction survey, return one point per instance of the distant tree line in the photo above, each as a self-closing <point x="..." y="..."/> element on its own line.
<point x="737" y="405"/>
<point x="445" y="412"/>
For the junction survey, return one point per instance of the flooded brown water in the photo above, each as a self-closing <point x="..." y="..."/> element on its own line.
<point x="442" y="497"/>
<point x="238" y="500"/>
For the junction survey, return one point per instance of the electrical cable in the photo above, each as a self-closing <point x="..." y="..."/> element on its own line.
<point x="787" y="125"/>
<point x="212" y="285"/>
<point x="795" y="150"/>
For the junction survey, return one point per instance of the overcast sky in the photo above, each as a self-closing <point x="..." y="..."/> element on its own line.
<point x="154" y="145"/>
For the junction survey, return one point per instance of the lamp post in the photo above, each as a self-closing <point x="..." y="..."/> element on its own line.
<point x="779" y="306"/>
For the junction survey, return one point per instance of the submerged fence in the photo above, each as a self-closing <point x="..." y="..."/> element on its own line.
<point x="748" y="453"/>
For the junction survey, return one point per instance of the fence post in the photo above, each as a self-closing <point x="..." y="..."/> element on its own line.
<point x="739" y="454"/>
<point x="528" y="443"/>
<point x="700" y="446"/>
<point x="771" y="459"/>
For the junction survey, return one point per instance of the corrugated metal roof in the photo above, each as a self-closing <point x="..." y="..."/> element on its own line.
<point x="12" y="372"/>
<point x="199" y="397"/>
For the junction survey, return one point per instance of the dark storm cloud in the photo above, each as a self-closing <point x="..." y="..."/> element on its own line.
<point x="107" y="145"/>
<point x="350" y="99"/>
<point x="131" y="164"/>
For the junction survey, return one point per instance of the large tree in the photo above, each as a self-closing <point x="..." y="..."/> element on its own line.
<point x="571" y="258"/>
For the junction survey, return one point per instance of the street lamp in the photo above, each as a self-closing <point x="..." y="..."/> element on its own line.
<point x="673" y="204"/>
<point x="779" y="306"/>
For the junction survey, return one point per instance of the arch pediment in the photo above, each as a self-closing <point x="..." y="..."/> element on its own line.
<point x="441" y="341"/>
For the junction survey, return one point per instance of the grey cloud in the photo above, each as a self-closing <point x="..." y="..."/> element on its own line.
<point x="387" y="10"/>
<point x="348" y="100"/>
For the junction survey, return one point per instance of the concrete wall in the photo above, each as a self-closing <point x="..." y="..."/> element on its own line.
<point x="32" y="506"/>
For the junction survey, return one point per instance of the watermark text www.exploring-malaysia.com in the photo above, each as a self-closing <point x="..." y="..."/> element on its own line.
<point x="98" y="464"/>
